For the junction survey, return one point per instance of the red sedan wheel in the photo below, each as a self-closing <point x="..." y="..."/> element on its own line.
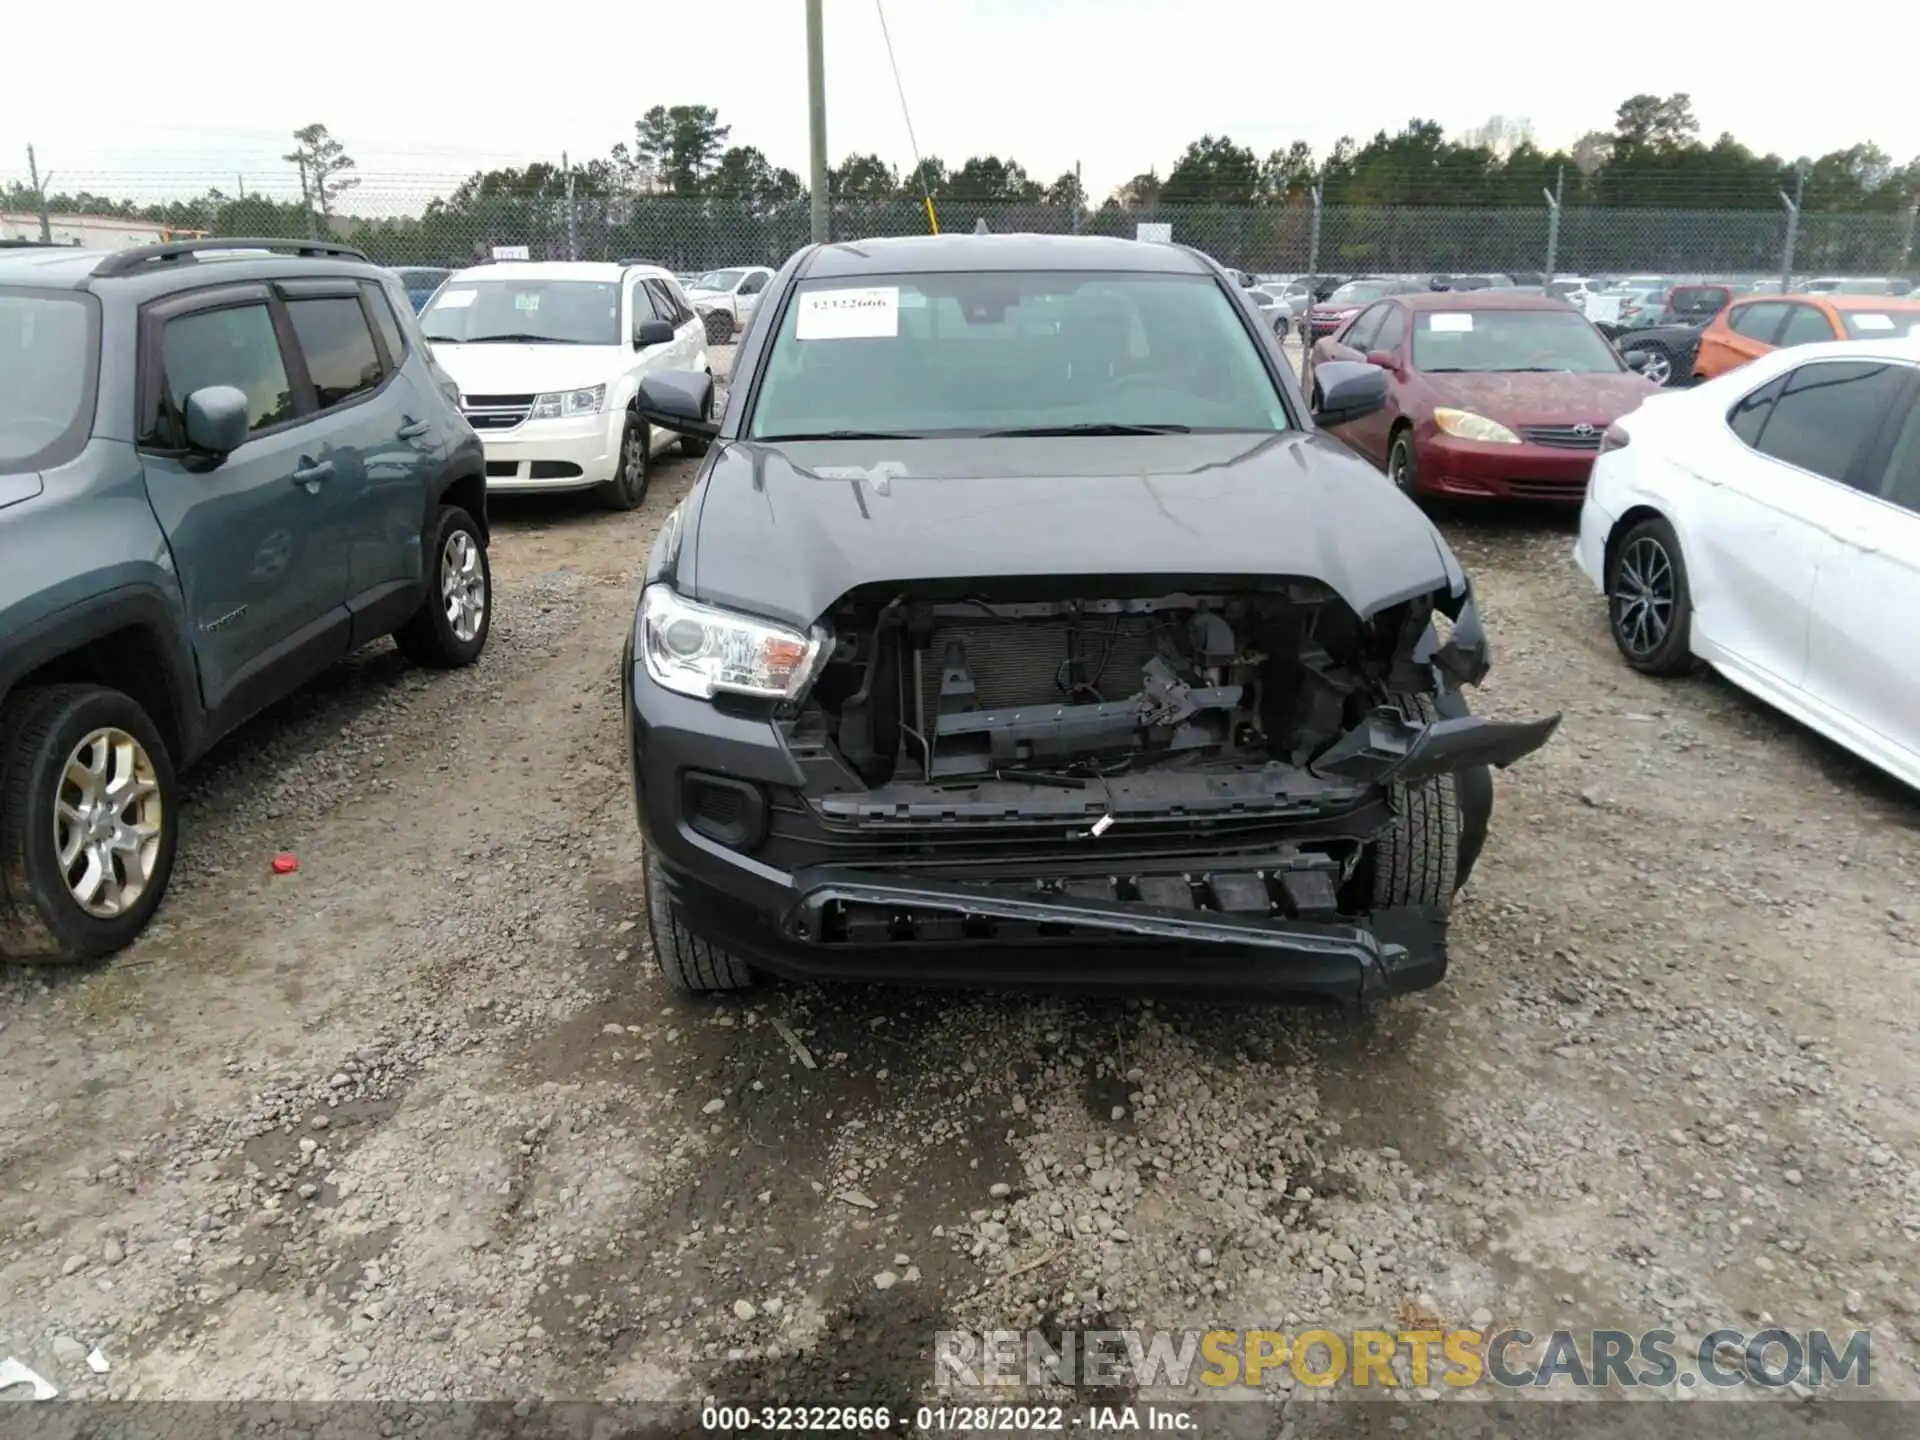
<point x="1403" y="465"/>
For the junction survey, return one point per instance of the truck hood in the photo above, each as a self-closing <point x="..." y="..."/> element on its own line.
<point x="1554" y="399"/>
<point x="529" y="369"/>
<point x="785" y="530"/>
<point x="18" y="486"/>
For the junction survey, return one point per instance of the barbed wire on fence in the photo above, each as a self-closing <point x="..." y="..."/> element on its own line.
<point x="691" y="234"/>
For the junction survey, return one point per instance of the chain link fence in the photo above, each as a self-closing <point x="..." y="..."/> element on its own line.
<point x="687" y="234"/>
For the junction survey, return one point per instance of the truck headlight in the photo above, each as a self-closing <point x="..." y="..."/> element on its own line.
<point x="558" y="403"/>
<point x="702" y="651"/>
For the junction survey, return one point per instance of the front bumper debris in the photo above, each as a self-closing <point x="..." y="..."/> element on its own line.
<point x="844" y="907"/>
<point x="1388" y="746"/>
<point x="1066" y="934"/>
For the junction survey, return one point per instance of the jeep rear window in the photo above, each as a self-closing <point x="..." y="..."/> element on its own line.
<point x="48" y="348"/>
<point x="988" y="352"/>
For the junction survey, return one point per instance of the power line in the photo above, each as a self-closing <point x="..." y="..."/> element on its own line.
<point x="926" y="194"/>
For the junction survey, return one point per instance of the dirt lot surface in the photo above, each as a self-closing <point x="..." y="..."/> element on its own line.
<point x="421" y="1121"/>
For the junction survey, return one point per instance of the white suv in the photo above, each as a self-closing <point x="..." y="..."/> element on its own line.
<point x="726" y="299"/>
<point x="548" y="357"/>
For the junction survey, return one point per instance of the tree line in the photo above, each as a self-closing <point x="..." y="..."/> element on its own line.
<point x="1654" y="157"/>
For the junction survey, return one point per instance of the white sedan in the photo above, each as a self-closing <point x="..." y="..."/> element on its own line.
<point x="726" y="299"/>
<point x="1768" y="522"/>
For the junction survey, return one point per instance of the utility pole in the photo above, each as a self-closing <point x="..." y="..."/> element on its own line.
<point x="817" y="118"/>
<point x="40" y="196"/>
<point x="243" y="185"/>
<point x="573" y="228"/>
<point x="1079" y="196"/>
<point x="1553" y="223"/>
<point x="1793" y="231"/>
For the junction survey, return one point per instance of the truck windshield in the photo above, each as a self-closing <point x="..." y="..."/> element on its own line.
<point x="1070" y="352"/>
<point x="46" y="374"/>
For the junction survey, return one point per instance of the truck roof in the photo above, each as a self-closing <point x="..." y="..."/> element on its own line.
<point x="929" y="254"/>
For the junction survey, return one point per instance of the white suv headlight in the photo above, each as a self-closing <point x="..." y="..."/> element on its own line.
<point x="558" y="403"/>
<point x="701" y="651"/>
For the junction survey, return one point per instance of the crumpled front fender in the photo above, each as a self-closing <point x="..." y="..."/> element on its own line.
<point x="1466" y="655"/>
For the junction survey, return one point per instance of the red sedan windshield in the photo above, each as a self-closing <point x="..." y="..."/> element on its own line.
<point x="1485" y="341"/>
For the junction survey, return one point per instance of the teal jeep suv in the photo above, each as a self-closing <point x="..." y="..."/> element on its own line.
<point x="224" y="464"/>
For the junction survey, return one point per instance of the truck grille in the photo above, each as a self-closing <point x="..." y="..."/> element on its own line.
<point x="1564" y="437"/>
<point x="495" y="412"/>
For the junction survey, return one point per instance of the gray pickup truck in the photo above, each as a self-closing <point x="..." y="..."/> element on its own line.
<point x="224" y="464"/>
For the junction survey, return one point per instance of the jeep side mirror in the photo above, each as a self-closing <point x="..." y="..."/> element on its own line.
<point x="652" y="332"/>
<point x="680" y="401"/>
<point x="217" y="420"/>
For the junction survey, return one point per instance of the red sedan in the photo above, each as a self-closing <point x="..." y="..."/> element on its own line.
<point x="1489" y="394"/>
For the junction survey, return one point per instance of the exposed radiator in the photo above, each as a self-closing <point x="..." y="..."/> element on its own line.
<point x="1024" y="663"/>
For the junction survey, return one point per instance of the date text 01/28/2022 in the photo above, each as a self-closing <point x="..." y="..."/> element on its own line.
<point x="869" y="1419"/>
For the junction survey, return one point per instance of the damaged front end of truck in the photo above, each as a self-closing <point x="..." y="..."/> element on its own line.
<point x="1062" y="781"/>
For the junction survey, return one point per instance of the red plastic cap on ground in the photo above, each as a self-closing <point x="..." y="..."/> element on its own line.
<point x="285" y="864"/>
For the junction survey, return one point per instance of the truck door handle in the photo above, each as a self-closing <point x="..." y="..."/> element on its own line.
<point x="414" y="429"/>
<point x="311" y="475"/>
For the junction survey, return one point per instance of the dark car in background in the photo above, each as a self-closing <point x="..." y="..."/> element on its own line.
<point x="1060" y="654"/>
<point x="1471" y="282"/>
<point x="1672" y="340"/>
<point x="420" y="281"/>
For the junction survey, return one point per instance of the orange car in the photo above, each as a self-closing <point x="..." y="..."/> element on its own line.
<point x="1750" y="328"/>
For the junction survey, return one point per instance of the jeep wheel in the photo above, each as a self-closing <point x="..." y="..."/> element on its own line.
<point x="450" y="627"/>
<point x="691" y="966"/>
<point x="87" y="822"/>
<point x="1417" y="861"/>
<point x="627" y="490"/>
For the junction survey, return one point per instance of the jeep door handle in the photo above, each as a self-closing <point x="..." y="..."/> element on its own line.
<point x="413" y="429"/>
<point x="312" y="476"/>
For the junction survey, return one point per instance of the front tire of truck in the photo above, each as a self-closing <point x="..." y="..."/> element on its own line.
<point x="1417" y="860"/>
<point x="690" y="965"/>
<point x="88" y="822"/>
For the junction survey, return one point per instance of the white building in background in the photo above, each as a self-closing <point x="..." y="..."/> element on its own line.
<point x="95" y="232"/>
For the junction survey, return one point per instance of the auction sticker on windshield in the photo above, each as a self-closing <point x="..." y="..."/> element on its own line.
<point x="455" y="299"/>
<point x="527" y="300"/>
<point x="872" y="313"/>
<point x="1450" y="320"/>
<point x="1872" y="322"/>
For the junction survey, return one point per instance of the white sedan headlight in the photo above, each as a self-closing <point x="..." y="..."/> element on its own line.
<point x="702" y="651"/>
<point x="1466" y="425"/>
<point x="569" y="402"/>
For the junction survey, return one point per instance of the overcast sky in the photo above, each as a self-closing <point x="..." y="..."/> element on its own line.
<point x="419" y="93"/>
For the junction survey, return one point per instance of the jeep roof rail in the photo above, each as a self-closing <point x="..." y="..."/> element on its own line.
<point x="125" y="262"/>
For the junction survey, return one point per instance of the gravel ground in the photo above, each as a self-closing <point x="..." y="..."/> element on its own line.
<point x="419" y="1121"/>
